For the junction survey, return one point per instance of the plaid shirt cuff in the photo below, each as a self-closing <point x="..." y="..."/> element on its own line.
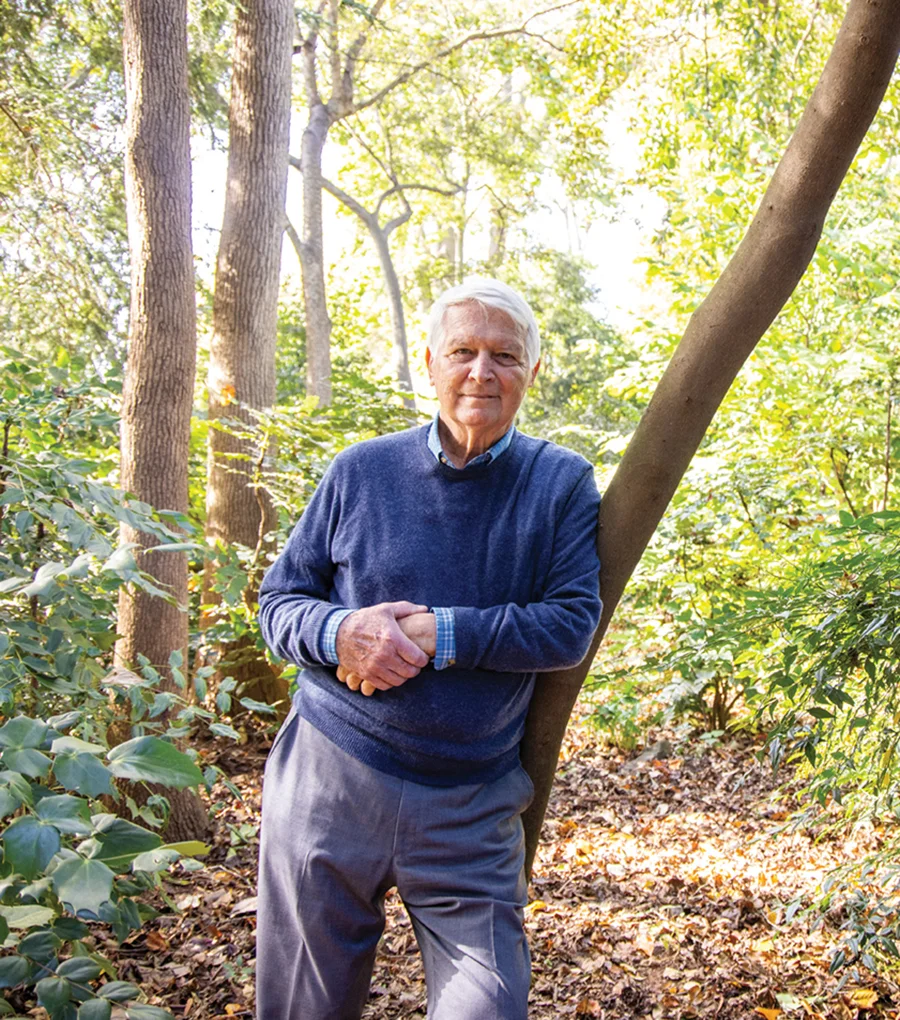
<point x="445" y="638"/>
<point x="328" y="637"/>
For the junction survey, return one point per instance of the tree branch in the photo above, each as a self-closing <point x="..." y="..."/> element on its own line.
<point x="423" y="65"/>
<point x="367" y="217"/>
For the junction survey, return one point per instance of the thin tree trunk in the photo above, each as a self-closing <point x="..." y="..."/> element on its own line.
<point x="318" y="323"/>
<point x="399" y="348"/>
<point x="723" y="331"/>
<point x="159" y="377"/>
<point x="245" y="306"/>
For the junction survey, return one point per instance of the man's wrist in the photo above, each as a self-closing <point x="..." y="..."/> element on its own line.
<point x="444" y="637"/>
<point x="328" y="636"/>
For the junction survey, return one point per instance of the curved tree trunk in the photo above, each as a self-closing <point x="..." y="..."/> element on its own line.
<point x="159" y="377"/>
<point x="245" y="305"/>
<point x="723" y="331"/>
<point x="318" y="323"/>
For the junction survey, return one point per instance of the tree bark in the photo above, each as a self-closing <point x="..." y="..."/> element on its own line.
<point x="245" y="304"/>
<point x="312" y="259"/>
<point x="159" y="376"/>
<point x="721" y="334"/>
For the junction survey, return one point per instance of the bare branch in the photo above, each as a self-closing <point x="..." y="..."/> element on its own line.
<point x="356" y="48"/>
<point x="335" y="57"/>
<point x="447" y="51"/>
<point x="370" y="219"/>
<point x="291" y="232"/>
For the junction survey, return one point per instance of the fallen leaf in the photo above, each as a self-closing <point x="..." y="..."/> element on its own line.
<point x="769" y="1014"/>
<point x="864" y="998"/>
<point x="536" y="906"/>
<point x="156" y="941"/>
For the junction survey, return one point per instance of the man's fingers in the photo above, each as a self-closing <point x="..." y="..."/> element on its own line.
<point x="342" y="674"/>
<point x="368" y="689"/>
<point x="401" y="609"/>
<point x="354" y="680"/>
<point x="409" y="650"/>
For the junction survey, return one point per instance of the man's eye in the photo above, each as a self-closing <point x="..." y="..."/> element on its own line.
<point x="506" y="356"/>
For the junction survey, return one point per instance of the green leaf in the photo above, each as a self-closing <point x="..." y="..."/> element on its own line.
<point x="17" y="785"/>
<point x="23" y="732"/>
<point x="95" y="1009"/>
<point x="69" y="929"/>
<point x="142" y="1012"/>
<point x="221" y="730"/>
<point x="28" y="845"/>
<point x="40" y="945"/>
<point x="257" y="706"/>
<point x="155" y="860"/>
<point x="14" y="970"/>
<point x="79" y="969"/>
<point x="74" y="745"/>
<point x="83" y="885"/>
<point x="84" y="773"/>
<point x="53" y="992"/>
<point x="66" y="813"/>
<point x="119" y="991"/>
<point x="30" y="916"/>
<point x="155" y="761"/>
<point x="28" y="761"/>
<point x="121" y="841"/>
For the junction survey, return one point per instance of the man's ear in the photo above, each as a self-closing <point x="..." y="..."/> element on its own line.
<point x="428" y="365"/>
<point x="534" y="371"/>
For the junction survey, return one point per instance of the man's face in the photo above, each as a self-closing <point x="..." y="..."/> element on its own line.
<point x="481" y="370"/>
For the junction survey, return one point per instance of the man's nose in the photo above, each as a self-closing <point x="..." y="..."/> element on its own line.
<point x="481" y="368"/>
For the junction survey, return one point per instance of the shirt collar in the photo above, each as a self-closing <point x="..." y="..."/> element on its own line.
<point x="434" y="444"/>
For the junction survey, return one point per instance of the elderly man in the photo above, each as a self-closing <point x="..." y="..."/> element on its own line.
<point x="438" y="570"/>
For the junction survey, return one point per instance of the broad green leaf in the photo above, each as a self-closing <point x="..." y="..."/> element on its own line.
<point x="23" y="732"/>
<point x="154" y="761"/>
<point x="190" y="848"/>
<point x="122" y="560"/>
<point x="95" y="1009"/>
<point x="83" y="773"/>
<point x="8" y="802"/>
<point x="30" y="916"/>
<point x="79" y="969"/>
<point x="119" y="991"/>
<point x="28" y="845"/>
<point x="221" y="730"/>
<point x="155" y="860"/>
<point x="53" y="992"/>
<point x="14" y="970"/>
<point x="257" y="706"/>
<point x="121" y="841"/>
<point x="27" y="761"/>
<point x="75" y="745"/>
<point x="66" y="813"/>
<point x="83" y="884"/>
<point x="5" y="1008"/>
<point x="142" y="1012"/>
<point x="69" y="929"/>
<point x="40" y="945"/>
<point x="17" y="785"/>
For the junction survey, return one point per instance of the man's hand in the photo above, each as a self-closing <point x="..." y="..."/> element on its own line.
<point x="371" y="645"/>
<point x="418" y="627"/>
<point x="422" y="629"/>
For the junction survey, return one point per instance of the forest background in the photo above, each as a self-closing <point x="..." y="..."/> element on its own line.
<point x="445" y="139"/>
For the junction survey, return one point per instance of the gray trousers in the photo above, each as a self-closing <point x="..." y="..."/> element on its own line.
<point x="336" y="835"/>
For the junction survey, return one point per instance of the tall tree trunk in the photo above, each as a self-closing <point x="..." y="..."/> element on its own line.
<point x="723" y="331"/>
<point x="245" y="305"/>
<point x="312" y="260"/>
<point x="159" y="377"/>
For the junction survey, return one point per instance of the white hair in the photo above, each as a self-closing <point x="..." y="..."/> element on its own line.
<point x="488" y="293"/>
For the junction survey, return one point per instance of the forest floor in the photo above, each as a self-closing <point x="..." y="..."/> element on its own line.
<point x="660" y="891"/>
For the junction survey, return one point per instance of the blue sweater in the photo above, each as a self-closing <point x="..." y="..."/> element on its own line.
<point x="509" y="545"/>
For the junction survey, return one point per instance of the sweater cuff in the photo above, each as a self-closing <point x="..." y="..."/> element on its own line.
<point x="328" y="636"/>
<point x="445" y="638"/>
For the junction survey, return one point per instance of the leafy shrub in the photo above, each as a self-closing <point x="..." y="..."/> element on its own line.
<point x="66" y="861"/>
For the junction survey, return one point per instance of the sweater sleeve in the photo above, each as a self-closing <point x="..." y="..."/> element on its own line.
<point x="555" y="632"/>
<point x="294" y="597"/>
